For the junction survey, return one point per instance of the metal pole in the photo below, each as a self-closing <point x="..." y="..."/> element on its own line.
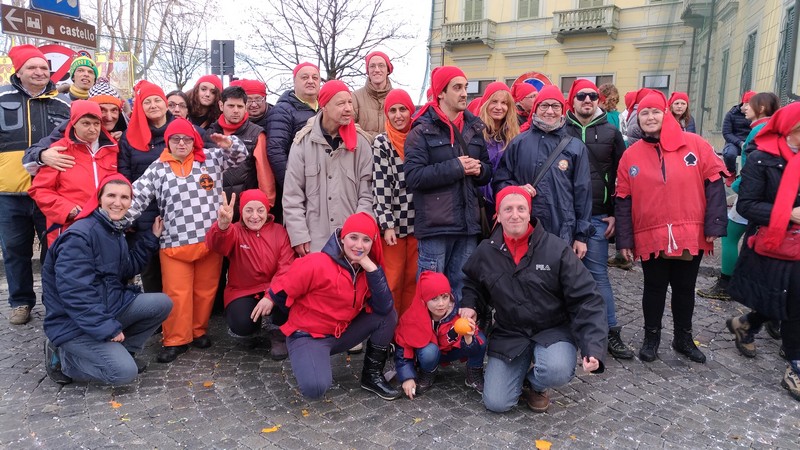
<point x="691" y="59"/>
<point x="708" y="62"/>
<point x="144" y="40"/>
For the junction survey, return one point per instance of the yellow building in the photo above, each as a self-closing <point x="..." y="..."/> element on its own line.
<point x="660" y="44"/>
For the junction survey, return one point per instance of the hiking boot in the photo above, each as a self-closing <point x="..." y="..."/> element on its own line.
<point x="652" y="339"/>
<point x="278" y="350"/>
<point x="20" y="315"/>
<point x="474" y="378"/>
<point x="683" y="343"/>
<point x="620" y="262"/>
<point x="538" y="402"/>
<point x="719" y="291"/>
<point x="791" y="382"/>
<point x="745" y="339"/>
<point x="372" y="374"/>
<point x="774" y="329"/>
<point x="52" y="364"/>
<point x="616" y="347"/>
<point x="425" y="380"/>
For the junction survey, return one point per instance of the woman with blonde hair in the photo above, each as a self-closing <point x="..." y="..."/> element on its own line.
<point x="498" y="113"/>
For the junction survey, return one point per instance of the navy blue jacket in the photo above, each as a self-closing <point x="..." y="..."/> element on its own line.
<point x="735" y="127"/>
<point x="286" y="118"/>
<point x="85" y="279"/>
<point x="445" y="199"/>
<point x="563" y="201"/>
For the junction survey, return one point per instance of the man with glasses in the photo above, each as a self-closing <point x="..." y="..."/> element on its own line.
<point x="604" y="142"/>
<point x="257" y="106"/>
<point x="562" y="198"/>
<point x="368" y="101"/>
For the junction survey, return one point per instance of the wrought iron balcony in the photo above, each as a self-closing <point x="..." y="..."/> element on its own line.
<point x="600" y="19"/>
<point x="469" y="32"/>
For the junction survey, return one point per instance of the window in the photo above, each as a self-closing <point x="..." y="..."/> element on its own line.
<point x="723" y="86"/>
<point x="747" y="62"/>
<point x="785" y="73"/>
<point x="476" y="88"/>
<point x="657" y="82"/>
<point x="590" y="3"/>
<point x="566" y="82"/>
<point x="528" y="9"/>
<point x="473" y="10"/>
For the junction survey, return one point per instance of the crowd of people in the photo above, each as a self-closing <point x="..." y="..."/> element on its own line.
<point x="337" y="220"/>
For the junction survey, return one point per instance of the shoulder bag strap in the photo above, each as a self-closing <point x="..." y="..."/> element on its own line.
<point x="550" y="159"/>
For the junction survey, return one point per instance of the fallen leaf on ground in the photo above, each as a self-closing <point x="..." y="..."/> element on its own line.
<point x="573" y="437"/>
<point x="271" y="429"/>
<point x="541" y="444"/>
<point x="304" y="412"/>
<point x="208" y="384"/>
<point x="114" y="404"/>
<point x="417" y="420"/>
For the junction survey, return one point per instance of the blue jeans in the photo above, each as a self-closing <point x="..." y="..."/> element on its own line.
<point x="554" y="366"/>
<point x="729" y="154"/>
<point x="430" y="356"/>
<point x="19" y="219"/>
<point x="86" y="359"/>
<point x="596" y="260"/>
<point x="447" y="255"/>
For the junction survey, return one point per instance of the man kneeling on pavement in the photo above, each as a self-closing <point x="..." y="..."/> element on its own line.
<point x="545" y="303"/>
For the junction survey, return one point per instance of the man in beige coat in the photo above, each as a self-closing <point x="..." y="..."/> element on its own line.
<point x="329" y="172"/>
<point x="368" y="101"/>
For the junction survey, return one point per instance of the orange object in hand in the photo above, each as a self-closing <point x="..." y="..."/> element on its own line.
<point x="462" y="326"/>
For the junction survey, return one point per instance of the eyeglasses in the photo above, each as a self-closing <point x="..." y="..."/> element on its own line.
<point x="581" y="96"/>
<point x="543" y="107"/>
<point x="177" y="105"/>
<point x="256" y="101"/>
<point x="179" y="139"/>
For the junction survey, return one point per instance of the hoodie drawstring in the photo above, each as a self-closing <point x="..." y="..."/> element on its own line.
<point x="672" y="245"/>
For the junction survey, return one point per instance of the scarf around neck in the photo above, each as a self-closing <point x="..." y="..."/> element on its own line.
<point x="397" y="138"/>
<point x="230" y="128"/>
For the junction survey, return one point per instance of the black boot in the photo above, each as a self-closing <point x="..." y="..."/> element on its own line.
<point x="616" y="347"/>
<point x="372" y="375"/>
<point x="652" y="339"/>
<point x="683" y="343"/>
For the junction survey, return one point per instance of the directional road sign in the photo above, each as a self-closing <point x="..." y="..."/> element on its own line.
<point x="69" y="8"/>
<point x="43" y="25"/>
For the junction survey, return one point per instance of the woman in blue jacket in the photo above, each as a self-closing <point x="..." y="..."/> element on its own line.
<point x="95" y="321"/>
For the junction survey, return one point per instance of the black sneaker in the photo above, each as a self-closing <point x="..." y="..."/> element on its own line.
<point x="616" y="347"/>
<point x="52" y="364"/>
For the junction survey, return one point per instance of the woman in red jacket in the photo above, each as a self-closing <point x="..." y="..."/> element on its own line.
<point x="670" y="208"/>
<point x="61" y="194"/>
<point x="259" y="250"/>
<point x="337" y="298"/>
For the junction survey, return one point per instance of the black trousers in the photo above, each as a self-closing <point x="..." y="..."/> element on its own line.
<point x="681" y="276"/>
<point x="237" y="315"/>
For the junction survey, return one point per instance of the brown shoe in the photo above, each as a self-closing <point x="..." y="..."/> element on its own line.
<point x="20" y="315"/>
<point x="538" y="402"/>
<point x="745" y="340"/>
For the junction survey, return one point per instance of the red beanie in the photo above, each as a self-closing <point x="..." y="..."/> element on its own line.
<point x="252" y="195"/>
<point x="549" y="92"/>
<point x="385" y="58"/>
<point x="300" y="66"/>
<point x="431" y="285"/>
<point x="213" y="79"/>
<point x="398" y="96"/>
<point x="138" y="133"/>
<point x="630" y="101"/>
<point x="678" y="96"/>
<point x="81" y="108"/>
<point x="364" y="223"/>
<point x="671" y="136"/>
<point x="440" y="77"/>
<point x="252" y="87"/>
<point x="508" y="190"/>
<point x="179" y="125"/>
<point x="655" y="99"/>
<point x="747" y="96"/>
<point x="346" y="132"/>
<point x="20" y="54"/>
<point x="577" y="86"/>
<point x="94" y="201"/>
<point x="521" y="90"/>
<point x="493" y="88"/>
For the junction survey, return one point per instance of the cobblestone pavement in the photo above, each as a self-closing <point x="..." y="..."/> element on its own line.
<point x="228" y="397"/>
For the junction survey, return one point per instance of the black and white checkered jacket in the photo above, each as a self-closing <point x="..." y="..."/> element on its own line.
<point x="187" y="204"/>
<point x="393" y="202"/>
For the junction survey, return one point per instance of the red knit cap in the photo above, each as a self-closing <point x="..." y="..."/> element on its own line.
<point x="678" y="96"/>
<point x="80" y="108"/>
<point x="364" y="223"/>
<point x="252" y="195"/>
<point x="508" y="190"/>
<point x="385" y="58"/>
<point x="20" y="54"/>
<point x="138" y="133"/>
<point x="521" y="90"/>
<point x="431" y="285"/>
<point x="179" y="125"/>
<point x="213" y="79"/>
<point x="747" y="96"/>
<point x="630" y="101"/>
<point x="398" y="96"/>
<point x="493" y="88"/>
<point x="671" y="136"/>
<point x="94" y="201"/>
<point x="549" y="92"/>
<point x="346" y="132"/>
<point x="440" y="77"/>
<point x="577" y="86"/>
<point x="252" y="87"/>
<point x="300" y="66"/>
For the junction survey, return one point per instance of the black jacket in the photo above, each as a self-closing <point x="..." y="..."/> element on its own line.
<point x="735" y="127"/>
<point x="286" y="118"/>
<point x="445" y="199"/>
<point x="606" y="145"/>
<point x="242" y="177"/>
<point x="548" y="297"/>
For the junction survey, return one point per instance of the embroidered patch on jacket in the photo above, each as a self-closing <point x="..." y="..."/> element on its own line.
<point x="690" y="159"/>
<point x="633" y="171"/>
<point x="206" y="182"/>
<point x="563" y="165"/>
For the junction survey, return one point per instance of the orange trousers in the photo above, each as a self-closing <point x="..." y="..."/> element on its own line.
<point x="400" y="266"/>
<point x="190" y="275"/>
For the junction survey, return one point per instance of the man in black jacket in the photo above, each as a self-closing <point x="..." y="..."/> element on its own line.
<point x="546" y="307"/>
<point x="587" y="122"/>
<point x="735" y="128"/>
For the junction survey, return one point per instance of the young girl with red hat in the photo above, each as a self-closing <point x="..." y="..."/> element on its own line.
<point x="204" y="101"/>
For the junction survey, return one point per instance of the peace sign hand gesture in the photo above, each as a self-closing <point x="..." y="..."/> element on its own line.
<point x="225" y="213"/>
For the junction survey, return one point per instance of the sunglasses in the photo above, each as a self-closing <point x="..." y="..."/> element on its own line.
<point x="581" y="96"/>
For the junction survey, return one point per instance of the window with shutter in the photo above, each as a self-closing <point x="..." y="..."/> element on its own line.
<point x="528" y="9"/>
<point x="747" y="62"/>
<point x="783" y="82"/>
<point x="473" y="10"/>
